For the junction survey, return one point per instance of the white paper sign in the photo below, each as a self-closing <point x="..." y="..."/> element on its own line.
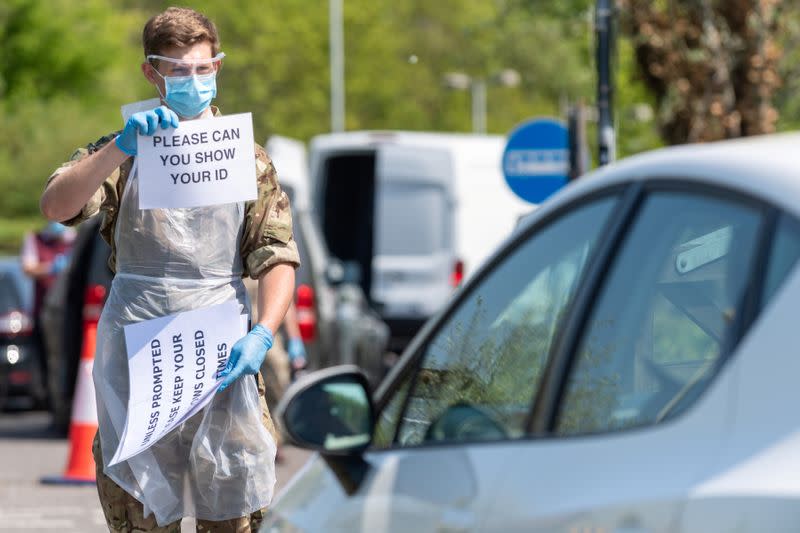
<point x="201" y="162"/>
<point x="134" y="107"/>
<point x="173" y="364"/>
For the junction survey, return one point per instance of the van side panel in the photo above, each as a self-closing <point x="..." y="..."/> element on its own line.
<point x="414" y="246"/>
<point x="488" y="209"/>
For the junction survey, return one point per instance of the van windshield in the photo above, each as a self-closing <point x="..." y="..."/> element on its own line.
<point x="411" y="219"/>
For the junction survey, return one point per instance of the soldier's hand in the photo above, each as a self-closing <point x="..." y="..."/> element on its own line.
<point x="145" y="123"/>
<point x="247" y="355"/>
<point x="297" y="353"/>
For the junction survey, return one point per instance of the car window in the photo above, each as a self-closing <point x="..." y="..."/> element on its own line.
<point x="783" y="256"/>
<point x="478" y="373"/>
<point x="412" y="219"/>
<point x="663" y="319"/>
<point x="386" y="423"/>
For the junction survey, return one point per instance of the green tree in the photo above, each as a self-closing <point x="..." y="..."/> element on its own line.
<point x="66" y="69"/>
<point x="62" y="77"/>
<point x="713" y="66"/>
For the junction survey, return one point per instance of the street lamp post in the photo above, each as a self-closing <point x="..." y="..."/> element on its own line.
<point x="336" y="34"/>
<point x="604" y="20"/>
<point x="478" y="88"/>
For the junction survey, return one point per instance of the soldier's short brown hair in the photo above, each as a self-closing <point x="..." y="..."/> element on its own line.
<point x="179" y="27"/>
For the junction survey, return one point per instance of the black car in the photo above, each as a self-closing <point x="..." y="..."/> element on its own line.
<point x="74" y="302"/>
<point x="21" y="374"/>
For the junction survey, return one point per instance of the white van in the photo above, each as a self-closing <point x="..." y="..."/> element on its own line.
<point x="336" y="322"/>
<point x="416" y="211"/>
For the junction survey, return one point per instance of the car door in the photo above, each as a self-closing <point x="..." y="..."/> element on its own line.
<point x="753" y="484"/>
<point x="637" y="399"/>
<point x="459" y="400"/>
<point x="447" y="428"/>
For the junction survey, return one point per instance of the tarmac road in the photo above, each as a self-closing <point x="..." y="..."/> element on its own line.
<point x="28" y="452"/>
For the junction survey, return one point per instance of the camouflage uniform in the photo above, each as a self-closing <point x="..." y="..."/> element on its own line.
<point x="267" y="241"/>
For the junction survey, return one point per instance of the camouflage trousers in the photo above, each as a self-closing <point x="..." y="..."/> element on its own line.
<point x="125" y="514"/>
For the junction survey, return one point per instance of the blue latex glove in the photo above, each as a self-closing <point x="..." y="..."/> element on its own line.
<point x="247" y="355"/>
<point x="297" y="352"/>
<point x="59" y="263"/>
<point x="145" y="123"/>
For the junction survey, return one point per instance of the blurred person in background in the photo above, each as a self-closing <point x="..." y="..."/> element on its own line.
<point x="219" y="465"/>
<point x="295" y="348"/>
<point x="44" y="255"/>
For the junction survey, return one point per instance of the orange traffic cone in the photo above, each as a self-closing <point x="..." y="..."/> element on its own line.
<point x="83" y="424"/>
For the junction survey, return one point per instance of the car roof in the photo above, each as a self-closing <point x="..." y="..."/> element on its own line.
<point x="766" y="167"/>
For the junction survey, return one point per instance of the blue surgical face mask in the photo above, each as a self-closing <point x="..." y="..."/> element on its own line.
<point x="189" y="96"/>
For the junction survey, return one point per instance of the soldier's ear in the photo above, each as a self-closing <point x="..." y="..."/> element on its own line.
<point x="149" y="73"/>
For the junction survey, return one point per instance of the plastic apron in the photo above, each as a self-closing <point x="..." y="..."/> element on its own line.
<point x="220" y="464"/>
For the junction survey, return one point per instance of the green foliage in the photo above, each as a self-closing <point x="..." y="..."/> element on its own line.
<point x="635" y="116"/>
<point x="63" y="74"/>
<point x="65" y="71"/>
<point x="788" y="97"/>
<point x="11" y="231"/>
<point x="66" y="68"/>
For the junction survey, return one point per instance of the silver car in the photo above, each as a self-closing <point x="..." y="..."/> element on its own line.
<point x="627" y="361"/>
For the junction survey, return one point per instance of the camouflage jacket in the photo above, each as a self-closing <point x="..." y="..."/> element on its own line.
<point x="267" y="238"/>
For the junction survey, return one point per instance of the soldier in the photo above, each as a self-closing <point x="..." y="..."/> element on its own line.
<point x="219" y="465"/>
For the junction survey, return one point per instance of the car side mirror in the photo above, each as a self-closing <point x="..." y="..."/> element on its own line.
<point x="330" y="411"/>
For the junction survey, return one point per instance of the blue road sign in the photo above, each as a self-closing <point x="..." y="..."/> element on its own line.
<point x="536" y="159"/>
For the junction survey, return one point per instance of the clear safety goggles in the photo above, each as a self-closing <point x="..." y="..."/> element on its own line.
<point x="172" y="67"/>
